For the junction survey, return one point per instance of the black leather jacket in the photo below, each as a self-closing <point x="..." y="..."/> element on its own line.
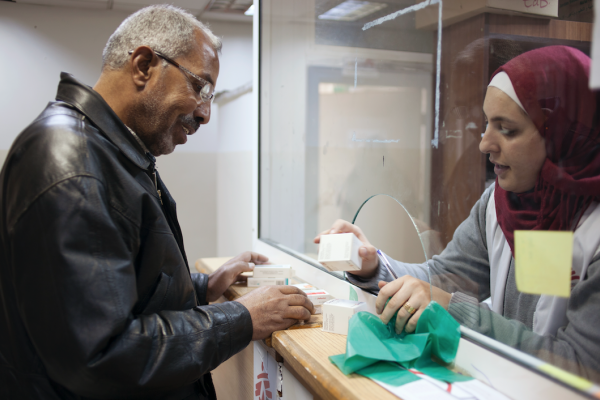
<point x="96" y="297"/>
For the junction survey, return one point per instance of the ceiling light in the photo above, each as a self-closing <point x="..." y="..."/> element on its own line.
<point x="250" y="10"/>
<point x="352" y="10"/>
<point x="229" y="6"/>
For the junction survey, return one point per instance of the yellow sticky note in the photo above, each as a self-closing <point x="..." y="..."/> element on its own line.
<point x="567" y="377"/>
<point x="543" y="262"/>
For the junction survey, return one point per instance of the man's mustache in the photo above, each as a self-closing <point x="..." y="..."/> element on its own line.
<point x="189" y="120"/>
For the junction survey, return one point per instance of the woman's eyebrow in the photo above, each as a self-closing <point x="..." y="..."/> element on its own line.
<point x="501" y="119"/>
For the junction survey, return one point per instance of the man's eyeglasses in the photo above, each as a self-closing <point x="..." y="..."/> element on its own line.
<point x="202" y="87"/>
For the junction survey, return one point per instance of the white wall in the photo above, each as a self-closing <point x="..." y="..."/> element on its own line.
<point x="227" y="138"/>
<point x="234" y="177"/>
<point x="210" y="177"/>
<point x="38" y="42"/>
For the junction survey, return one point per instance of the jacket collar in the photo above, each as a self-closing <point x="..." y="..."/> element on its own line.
<point x="93" y="106"/>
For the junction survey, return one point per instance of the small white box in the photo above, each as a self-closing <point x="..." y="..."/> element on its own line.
<point x="258" y="282"/>
<point x="316" y="296"/>
<point x="337" y="313"/>
<point x="339" y="252"/>
<point x="273" y="271"/>
<point x="304" y="286"/>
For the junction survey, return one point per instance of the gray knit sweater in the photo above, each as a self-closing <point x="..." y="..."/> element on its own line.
<point x="463" y="269"/>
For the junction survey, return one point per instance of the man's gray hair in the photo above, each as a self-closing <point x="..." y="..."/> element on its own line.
<point x="163" y="27"/>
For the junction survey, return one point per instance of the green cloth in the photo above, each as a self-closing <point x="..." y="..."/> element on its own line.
<point x="373" y="348"/>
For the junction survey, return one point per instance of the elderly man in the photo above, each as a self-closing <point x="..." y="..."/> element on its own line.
<point x="96" y="295"/>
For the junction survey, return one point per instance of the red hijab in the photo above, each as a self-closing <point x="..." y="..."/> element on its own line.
<point x="555" y="78"/>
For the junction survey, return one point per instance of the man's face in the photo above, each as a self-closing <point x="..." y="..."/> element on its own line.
<point x="171" y="109"/>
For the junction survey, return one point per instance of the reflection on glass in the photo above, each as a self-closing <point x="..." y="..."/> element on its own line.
<point x="345" y="114"/>
<point x="386" y="222"/>
<point x="403" y="109"/>
<point x="369" y="130"/>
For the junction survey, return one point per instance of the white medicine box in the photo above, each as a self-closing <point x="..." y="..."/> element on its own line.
<point x="339" y="252"/>
<point x="316" y="296"/>
<point x="273" y="271"/>
<point x="258" y="282"/>
<point x="337" y="314"/>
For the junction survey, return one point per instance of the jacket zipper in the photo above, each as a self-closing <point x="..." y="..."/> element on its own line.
<point x="156" y="186"/>
<point x="154" y="171"/>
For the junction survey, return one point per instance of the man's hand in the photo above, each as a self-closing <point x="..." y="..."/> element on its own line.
<point x="409" y="290"/>
<point x="367" y="252"/>
<point x="229" y="273"/>
<point x="274" y="308"/>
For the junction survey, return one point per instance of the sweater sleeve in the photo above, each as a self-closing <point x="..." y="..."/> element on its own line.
<point x="463" y="269"/>
<point x="463" y="265"/>
<point x="576" y="347"/>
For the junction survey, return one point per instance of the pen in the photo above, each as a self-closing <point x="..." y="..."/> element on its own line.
<point x="386" y="263"/>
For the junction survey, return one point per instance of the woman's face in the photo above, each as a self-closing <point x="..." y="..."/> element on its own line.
<point x="514" y="144"/>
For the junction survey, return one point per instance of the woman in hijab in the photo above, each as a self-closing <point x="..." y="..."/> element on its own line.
<point x="543" y="137"/>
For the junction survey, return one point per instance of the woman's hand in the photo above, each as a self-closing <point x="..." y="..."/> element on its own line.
<point x="230" y="273"/>
<point x="367" y="252"/>
<point x="411" y="291"/>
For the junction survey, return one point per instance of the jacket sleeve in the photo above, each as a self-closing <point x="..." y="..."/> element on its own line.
<point x="463" y="265"/>
<point x="201" y="287"/>
<point x="76" y="285"/>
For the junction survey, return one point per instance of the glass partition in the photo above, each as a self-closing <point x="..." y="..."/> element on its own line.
<point x="385" y="221"/>
<point x="386" y="98"/>
<point x="345" y="114"/>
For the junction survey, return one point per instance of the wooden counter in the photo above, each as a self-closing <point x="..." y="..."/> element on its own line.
<point x="304" y="352"/>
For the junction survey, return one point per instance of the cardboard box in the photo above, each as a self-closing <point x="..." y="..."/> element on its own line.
<point x="580" y="10"/>
<point x="273" y="271"/>
<point x="340" y="252"/>
<point x="459" y="10"/>
<point x="258" y="282"/>
<point x="337" y="313"/>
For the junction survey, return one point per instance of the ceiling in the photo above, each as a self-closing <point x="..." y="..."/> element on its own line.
<point x="227" y="10"/>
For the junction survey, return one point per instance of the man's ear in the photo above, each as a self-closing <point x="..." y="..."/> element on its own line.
<point x="143" y="64"/>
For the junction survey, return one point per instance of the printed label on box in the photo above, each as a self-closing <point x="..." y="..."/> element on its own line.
<point x="258" y="282"/>
<point x="273" y="271"/>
